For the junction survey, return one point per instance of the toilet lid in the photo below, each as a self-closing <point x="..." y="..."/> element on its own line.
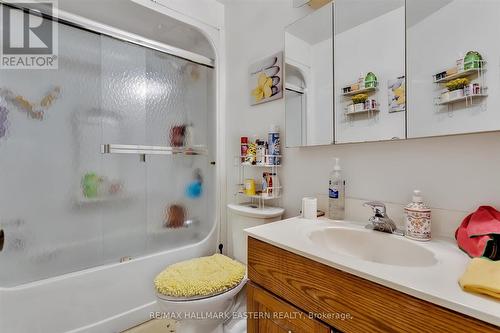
<point x="198" y="297"/>
<point x="199" y="278"/>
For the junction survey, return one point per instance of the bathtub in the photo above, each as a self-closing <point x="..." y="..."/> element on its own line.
<point x="105" y="299"/>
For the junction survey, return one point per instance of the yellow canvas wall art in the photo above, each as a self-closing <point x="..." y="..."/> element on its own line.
<point x="266" y="79"/>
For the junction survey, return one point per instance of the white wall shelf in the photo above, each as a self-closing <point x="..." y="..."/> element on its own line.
<point x="468" y="99"/>
<point x="269" y="194"/>
<point x="471" y="73"/>
<point x="260" y="165"/>
<point x="360" y="91"/>
<point x="460" y="74"/>
<point x="374" y="110"/>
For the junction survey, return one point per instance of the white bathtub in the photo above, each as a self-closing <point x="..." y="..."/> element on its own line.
<point x="104" y="299"/>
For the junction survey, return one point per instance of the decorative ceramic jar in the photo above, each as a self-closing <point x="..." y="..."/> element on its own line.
<point x="418" y="219"/>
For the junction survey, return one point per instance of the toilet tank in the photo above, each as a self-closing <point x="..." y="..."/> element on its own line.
<point x="243" y="216"/>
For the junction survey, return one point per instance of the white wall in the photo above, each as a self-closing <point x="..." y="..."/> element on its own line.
<point x="455" y="173"/>
<point x="254" y="29"/>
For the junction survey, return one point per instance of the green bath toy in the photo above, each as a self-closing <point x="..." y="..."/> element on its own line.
<point x="90" y="185"/>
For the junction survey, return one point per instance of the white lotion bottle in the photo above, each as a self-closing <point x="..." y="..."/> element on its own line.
<point x="336" y="195"/>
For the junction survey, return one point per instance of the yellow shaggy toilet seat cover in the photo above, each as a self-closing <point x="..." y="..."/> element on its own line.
<point x="200" y="277"/>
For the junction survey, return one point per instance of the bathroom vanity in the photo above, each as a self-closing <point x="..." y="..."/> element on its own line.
<point x="304" y="279"/>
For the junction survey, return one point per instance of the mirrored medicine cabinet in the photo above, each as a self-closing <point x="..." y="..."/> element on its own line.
<point x="309" y="80"/>
<point x="396" y="69"/>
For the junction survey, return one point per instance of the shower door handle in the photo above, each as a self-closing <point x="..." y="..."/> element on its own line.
<point x="151" y="150"/>
<point x="2" y="239"/>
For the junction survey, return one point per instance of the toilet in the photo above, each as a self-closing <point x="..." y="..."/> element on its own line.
<point x="246" y="216"/>
<point x="209" y="308"/>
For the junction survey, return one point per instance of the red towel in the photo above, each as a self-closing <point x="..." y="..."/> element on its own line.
<point x="479" y="233"/>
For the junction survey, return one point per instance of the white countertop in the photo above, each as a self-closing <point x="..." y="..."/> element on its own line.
<point x="437" y="284"/>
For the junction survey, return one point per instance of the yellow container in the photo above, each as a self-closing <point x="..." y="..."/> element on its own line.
<point x="250" y="186"/>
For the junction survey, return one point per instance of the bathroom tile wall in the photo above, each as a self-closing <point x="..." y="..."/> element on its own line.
<point x="456" y="174"/>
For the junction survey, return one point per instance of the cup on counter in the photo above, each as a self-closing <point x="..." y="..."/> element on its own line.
<point x="309" y="208"/>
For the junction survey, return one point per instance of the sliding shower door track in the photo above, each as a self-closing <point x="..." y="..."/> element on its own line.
<point x="102" y="29"/>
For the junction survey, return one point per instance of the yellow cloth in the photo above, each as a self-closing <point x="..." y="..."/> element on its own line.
<point x="482" y="276"/>
<point x="200" y="276"/>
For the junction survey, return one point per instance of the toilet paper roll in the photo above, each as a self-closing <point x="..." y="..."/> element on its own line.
<point x="309" y="208"/>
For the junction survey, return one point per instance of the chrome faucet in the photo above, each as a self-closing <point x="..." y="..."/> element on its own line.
<point x="380" y="221"/>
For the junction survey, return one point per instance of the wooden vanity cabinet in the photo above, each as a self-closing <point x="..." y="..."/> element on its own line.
<point x="283" y="282"/>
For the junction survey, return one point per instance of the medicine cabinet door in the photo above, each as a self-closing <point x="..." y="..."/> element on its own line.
<point x="369" y="53"/>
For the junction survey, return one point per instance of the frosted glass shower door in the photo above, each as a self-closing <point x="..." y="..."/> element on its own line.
<point x="50" y="227"/>
<point x="123" y="112"/>
<point x="67" y="205"/>
<point x="179" y="98"/>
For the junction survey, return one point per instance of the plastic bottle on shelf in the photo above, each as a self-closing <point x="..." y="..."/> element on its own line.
<point x="274" y="145"/>
<point x="243" y="148"/>
<point x="261" y="152"/>
<point x="336" y="200"/>
<point x="252" y="151"/>
<point x="265" y="175"/>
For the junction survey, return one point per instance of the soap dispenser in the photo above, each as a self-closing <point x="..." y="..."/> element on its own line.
<point x="418" y="219"/>
<point x="336" y="201"/>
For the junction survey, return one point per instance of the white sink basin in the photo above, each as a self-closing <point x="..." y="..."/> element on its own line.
<point x="373" y="246"/>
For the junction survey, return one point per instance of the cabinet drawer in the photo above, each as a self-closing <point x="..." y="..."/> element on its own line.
<point x="369" y="307"/>
<point x="269" y="314"/>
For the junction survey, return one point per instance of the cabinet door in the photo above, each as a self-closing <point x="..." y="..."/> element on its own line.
<point x="269" y="314"/>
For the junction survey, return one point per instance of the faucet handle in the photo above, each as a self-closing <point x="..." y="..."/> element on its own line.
<point x="377" y="207"/>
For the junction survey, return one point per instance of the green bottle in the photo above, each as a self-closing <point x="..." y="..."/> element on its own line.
<point x="472" y="60"/>
<point x="370" y="80"/>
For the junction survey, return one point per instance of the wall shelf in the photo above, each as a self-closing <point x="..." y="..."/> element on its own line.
<point x="477" y="84"/>
<point x="362" y="111"/>
<point x="261" y="165"/>
<point x="360" y="91"/>
<point x="81" y="200"/>
<point x="462" y="99"/>
<point x="243" y="164"/>
<point x="265" y="195"/>
<point x="460" y="74"/>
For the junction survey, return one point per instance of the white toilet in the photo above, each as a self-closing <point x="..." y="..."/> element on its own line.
<point x="246" y="216"/>
<point x="202" y="314"/>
